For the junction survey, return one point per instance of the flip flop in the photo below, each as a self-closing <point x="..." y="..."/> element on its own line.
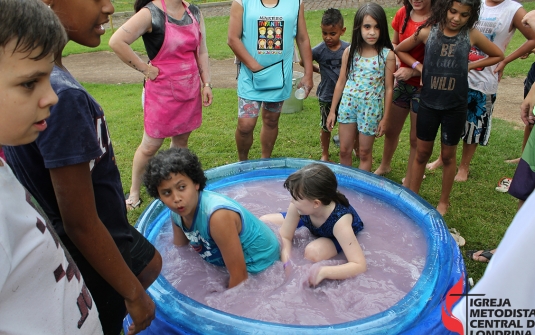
<point x="130" y="205"/>
<point x="457" y="237"/>
<point x="486" y="254"/>
<point x="503" y="185"/>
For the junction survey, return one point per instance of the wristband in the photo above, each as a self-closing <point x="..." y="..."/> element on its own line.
<point x="285" y="264"/>
<point x="415" y="64"/>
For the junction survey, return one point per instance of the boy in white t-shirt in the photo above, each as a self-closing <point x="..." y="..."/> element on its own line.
<point x="41" y="289"/>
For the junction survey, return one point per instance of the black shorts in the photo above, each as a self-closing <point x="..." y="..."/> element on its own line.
<point x="325" y="109"/>
<point x="523" y="182"/>
<point x="111" y="307"/>
<point x="450" y="121"/>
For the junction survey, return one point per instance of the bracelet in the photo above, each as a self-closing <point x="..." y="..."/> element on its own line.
<point x="147" y="75"/>
<point x="208" y="85"/>
<point x="285" y="264"/>
<point x="415" y="64"/>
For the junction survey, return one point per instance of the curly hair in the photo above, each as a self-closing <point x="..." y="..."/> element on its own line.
<point x="332" y="17"/>
<point x="315" y="181"/>
<point x="174" y="160"/>
<point x="376" y="12"/>
<point x="439" y="14"/>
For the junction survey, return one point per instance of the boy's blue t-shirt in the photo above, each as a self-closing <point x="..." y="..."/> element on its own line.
<point x="330" y="63"/>
<point x="259" y="244"/>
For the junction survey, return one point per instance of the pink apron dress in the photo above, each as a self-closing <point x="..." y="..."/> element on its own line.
<point x="173" y="102"/>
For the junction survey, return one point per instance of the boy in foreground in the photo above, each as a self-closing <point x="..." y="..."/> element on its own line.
<point x="41" y="289"/>
<point x="222" y="231"/>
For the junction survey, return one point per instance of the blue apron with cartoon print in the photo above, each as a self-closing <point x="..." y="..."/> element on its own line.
<point x="268" y="35"/>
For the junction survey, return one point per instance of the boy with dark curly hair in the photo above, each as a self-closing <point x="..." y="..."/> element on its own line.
<point x="221" y="230"/>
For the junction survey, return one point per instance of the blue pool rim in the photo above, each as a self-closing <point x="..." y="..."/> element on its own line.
<point x="418" y="312"/>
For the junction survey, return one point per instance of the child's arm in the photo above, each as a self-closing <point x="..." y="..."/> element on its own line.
<point x="179" y="238"/>
<point x="356" y="262"/>
<point x="395" y="42"/>
<point x="402" y="50"/>
<point x="225" y="226"/>
<point x="73" y="187"/>
<point x="525" y="48"/>
<point x="390" y="67"/>
<point x="338" y="90"/>
<point x="305" y="51"/>
<point x="287" y="231"/>
<point x="484" y="44"/>
<point x="203" y="63"/>
<point x="315" y="68"/>
<point x="235" y="30"/>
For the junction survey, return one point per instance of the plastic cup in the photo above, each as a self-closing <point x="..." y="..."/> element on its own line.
<point x="300" y="93"/>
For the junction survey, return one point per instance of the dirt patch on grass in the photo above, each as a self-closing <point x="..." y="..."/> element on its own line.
<point x="106" y="68"/>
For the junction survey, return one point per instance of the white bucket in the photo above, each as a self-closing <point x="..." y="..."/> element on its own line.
<point x="292" y="104"/>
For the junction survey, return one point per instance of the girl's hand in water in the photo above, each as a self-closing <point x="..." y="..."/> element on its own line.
<point x="287" y="267"/>
<point x="315" y="275"/>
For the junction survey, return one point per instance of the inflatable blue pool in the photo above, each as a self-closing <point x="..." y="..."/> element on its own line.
<point x="419" y="312"/>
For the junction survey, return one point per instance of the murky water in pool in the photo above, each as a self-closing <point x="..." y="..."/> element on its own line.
<point x="395" y="250"/>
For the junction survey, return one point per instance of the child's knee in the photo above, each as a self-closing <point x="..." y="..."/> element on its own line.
<point x="365" y="154"/>
<point x="422" y="156"/>
<point x="312" y="253"/>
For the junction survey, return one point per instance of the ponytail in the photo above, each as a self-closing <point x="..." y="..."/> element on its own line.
<point x="341" y="199"/>
<point x="408" y="8"/>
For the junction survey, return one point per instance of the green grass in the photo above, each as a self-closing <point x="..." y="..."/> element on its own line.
<point x="128" y="6"/>
<point x="479" y="212"/>
<point x="218" y="49"/>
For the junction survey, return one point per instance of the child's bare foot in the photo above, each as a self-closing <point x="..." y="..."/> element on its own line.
<point x="513" y="161"/>
<point x="324" y="158"/>
<point x="442" y="208"/>
<point x="462" y="175"/>
<point x="434" y="165"/>
<point x="381" y="170"/>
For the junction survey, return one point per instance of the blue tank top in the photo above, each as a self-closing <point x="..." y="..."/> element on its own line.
<point x="268" y="35"/>
<point x="326" y="229"/>
<point x="259" y="243"/>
